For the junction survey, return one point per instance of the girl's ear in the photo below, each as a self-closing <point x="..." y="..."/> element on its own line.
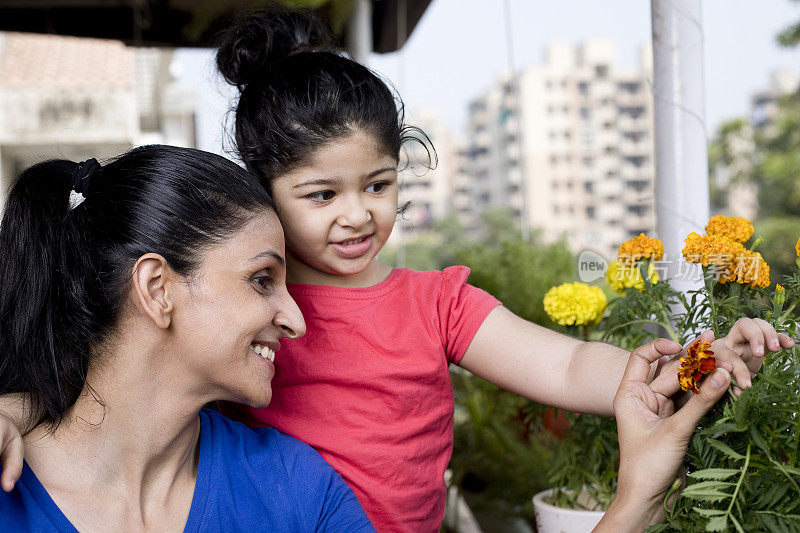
<point x="150" y="278"/>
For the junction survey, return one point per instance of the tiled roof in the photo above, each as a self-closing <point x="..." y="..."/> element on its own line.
<point x="52" y="61"/>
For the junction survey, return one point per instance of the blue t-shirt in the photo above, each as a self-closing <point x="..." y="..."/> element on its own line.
<point x="247" y="480"/>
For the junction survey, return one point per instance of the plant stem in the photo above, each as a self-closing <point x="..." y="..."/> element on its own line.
<point x="741" y="479"/>
<point x="709" y="284"/>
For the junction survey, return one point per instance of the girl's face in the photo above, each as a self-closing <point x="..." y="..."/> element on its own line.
<point x="235" y="306"/>
<point x="338" y="211"/>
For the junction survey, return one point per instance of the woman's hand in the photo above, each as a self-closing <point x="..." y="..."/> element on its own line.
<point x="653" y="438"/>
<point x="10" y="452"/>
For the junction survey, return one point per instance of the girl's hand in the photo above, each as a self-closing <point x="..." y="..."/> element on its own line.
<point x="750" y="339"/>
<point x="10" y="452"/>
<point x="653" y="438"/>
<point x="741" y="352"/>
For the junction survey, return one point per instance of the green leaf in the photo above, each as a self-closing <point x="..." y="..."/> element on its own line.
<point x="708" y="512"/>
<point x="727" y="450"/>
<point x="715" y="473"/>
<point x="718" y="523"/>
<point x="715" y="484"/>
<point x="709" y="495"/>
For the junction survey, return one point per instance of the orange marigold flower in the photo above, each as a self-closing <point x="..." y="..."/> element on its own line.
<point x="710" y="249"/>
<point x="730" y="261"/>
<point x="797" y="247"/>
<point x="697" y="362"/>
<point x="747" y="268"/>
<point x="641" y="247"/>
<point x="738" y="229"/>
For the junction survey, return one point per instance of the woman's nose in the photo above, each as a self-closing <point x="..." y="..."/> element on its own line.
<point x="289" y="318"/>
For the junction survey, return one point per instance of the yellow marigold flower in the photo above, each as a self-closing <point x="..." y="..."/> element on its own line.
<point x="574" y="304"/>
<point x="641" y="247"/>
<point x="695" y="364"/>
<point x="738" y="229"/>
<point x="621" y="276"/>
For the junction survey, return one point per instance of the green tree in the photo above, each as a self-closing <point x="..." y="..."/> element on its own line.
<point x="778" y="171"/>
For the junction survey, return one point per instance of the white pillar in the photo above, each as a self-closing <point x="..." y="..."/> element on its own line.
<point x="681" y="185"/>
<point x="359" y="31"/>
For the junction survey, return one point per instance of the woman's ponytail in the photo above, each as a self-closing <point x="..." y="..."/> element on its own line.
<point x="45" y="325"/>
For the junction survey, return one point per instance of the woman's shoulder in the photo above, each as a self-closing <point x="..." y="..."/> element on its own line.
<point x="258" y="444"/>
<point x="259" y="468"/>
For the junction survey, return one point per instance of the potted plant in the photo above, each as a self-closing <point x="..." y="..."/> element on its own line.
<point x="742" y="463"/>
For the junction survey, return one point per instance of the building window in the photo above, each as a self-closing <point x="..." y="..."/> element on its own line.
<point x="601" y="71"/>
<point x="586" y="113"/>
<point x="590" y="214"/>
<point x="583" y="88"/>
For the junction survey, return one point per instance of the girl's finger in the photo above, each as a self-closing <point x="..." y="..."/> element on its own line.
<point x="785" y="340"/>
<point x="771" y="341"/>
<point x="740" y="372"/>
<point x="746" y="331"/>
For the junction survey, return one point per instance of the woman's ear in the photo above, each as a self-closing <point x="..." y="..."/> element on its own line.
<point x="151" y="275"/>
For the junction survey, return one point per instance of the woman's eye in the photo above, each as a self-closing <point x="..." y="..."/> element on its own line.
<point x="322" y="196"/>
<point x="377" y="187"/>
<point x="265" y="282"/>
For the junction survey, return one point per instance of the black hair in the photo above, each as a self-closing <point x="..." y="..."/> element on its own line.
<point x="298" y="93"/>
<point x="64" y="272"/>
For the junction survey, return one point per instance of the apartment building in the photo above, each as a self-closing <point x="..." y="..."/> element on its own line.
<point x="66" y="97"/>
<point x="568" y="144"/>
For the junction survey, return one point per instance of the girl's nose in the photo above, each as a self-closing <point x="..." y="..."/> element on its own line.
<point x="354" y="214"/>
<point x="289" y="318"/>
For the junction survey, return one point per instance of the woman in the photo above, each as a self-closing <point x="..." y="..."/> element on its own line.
<point x="131" y="295"/>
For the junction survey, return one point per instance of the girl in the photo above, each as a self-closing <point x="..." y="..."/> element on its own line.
<point x="369" y="386"/>
<point x="131" y="295"/>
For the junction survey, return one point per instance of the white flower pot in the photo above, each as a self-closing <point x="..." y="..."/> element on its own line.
<point x="552" y="519"/>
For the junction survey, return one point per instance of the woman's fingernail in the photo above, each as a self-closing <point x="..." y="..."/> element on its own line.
<point x="759" y="349"/>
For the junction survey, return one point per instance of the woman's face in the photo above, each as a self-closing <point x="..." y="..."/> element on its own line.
<point x="233" y="312"/>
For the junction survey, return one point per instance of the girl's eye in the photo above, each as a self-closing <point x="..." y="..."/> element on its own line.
<point x="322" y="196"/>
<point x="264" y="282"/>
<point x="378" y="187"/>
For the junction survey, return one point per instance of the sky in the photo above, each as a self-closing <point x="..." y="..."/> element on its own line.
<point x="460" y="47"/>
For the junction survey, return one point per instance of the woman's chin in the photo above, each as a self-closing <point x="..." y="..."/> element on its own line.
<point x="262" y="400"/>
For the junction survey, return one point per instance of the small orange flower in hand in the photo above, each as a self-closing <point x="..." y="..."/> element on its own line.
<point x="697" y="363"/>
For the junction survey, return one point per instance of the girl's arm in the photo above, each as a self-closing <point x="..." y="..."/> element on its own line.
<point x="12" y="417"/>
<point x="571" y="374"/>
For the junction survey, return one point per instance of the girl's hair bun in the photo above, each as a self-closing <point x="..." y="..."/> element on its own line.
<point x="258" y="40"/>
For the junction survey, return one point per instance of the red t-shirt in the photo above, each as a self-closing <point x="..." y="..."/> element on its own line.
<point x="369" y="388"/>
